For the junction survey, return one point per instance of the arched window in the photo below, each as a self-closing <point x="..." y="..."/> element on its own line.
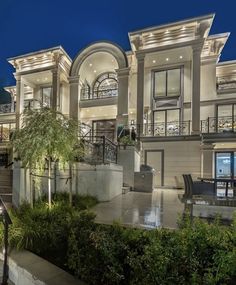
<point x="105" y="85"/>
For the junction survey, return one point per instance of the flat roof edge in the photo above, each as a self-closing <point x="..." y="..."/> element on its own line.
<point x="40" y="51"/>
<point x="228" y="62"/>
<point x="170" y="24"/>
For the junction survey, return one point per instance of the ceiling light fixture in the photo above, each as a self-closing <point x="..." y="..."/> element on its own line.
<point x="95" y="71"/>
<point x="90" y="64"/>
<point x="181" y="57"/>
<point x="154" y="61"/>
<point x="167" y="59"/>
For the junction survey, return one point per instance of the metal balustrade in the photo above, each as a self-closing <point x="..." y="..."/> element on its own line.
<point x="219" y="125"/>
<point x="100" y="94"/>
<point x="7" y="108"/>
<point x="99" y="150"/>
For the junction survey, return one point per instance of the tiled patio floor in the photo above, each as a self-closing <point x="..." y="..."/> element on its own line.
<point x="162" y="208"/>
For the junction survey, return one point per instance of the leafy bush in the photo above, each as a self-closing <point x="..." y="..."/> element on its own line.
<point x="196" y="253"/>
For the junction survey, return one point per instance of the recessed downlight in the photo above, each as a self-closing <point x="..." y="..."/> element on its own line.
<point x="167" y="59"/>
<point x="154" y="61"/>
<point x="181" y="57"/>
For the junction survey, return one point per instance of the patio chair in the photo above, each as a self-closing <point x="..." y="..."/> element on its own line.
<point x="200" y="187"/>
<point x="186" y="186"/>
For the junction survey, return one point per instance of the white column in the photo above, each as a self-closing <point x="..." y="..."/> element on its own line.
<point x="207" y="159"/>
<point x="19" y="100"/>
<point x="123" y="96"/>
<point x="55" y="88"/>
<point x="196" y="89"/>
<point x="140" y="90"/>
<point x="74" y="97"/>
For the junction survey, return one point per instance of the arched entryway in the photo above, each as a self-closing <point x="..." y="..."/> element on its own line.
<point x="100" y="71"/>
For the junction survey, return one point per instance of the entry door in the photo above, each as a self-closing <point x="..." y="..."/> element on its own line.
<point x="155" y="159"/>
<point x="105" y="128"/>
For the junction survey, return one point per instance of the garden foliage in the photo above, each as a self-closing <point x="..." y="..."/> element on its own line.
<point x="196" y="253"/>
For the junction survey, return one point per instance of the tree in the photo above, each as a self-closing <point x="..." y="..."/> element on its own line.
<point x="46" y="136"/>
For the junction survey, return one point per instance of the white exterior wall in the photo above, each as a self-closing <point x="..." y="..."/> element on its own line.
<point x="129" y="158"/>
<point x="65" y="94"/>
<point x="180" y="157"/>
<point x="101" y="181"/>
<point x="208" y="82"/>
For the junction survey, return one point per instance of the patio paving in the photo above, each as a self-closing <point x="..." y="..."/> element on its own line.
<point x="162" y="208"/>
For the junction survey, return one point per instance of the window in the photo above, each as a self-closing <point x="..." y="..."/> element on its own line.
<point x="226" y="117"/>
<point x="167" y="83"/>
<point x="167" y="122"/>
<point x="46" y="96"/>
<point x="106" y="85"/>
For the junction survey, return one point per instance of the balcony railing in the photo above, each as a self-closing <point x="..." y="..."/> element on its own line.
<point x="99" y="150"/>
<point x="219" y="125"/>
<point x="6" y="131"/>
<point x="6" y="108"/>
<point x="101" y="94"/>
<point x="168" y="129"/>
<point x="226" y="124"/>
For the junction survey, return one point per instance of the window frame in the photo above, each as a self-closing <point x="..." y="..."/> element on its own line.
<point x="154" y="71"/>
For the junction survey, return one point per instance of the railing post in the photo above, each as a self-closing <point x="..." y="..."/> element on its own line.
<point x="208" y="125"/>
<point x="103" y="150"/>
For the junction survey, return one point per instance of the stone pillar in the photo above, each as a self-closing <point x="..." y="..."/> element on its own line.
<point x="196" y="89"/>
<point x="123" y="96"/>
<point x="140" y="90"/>
<point x="74" y="97"/>
<point x="55" y="88"/>
<point x="19" y="100"/>
<point x="207" y="160"/>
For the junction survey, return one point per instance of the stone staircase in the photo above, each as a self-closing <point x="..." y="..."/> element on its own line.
<point x="125" y="188"/>
<point x="6" y="186"/>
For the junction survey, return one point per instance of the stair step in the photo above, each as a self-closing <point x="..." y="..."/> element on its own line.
<point x="125" y="189"/>
<point x="6" y="197"/>
<point x="5" y="189"/>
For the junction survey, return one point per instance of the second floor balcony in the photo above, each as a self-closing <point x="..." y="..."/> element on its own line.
<point x="212" y="125"/>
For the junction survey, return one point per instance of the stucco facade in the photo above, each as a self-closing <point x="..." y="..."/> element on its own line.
<point x="170" y="87"/>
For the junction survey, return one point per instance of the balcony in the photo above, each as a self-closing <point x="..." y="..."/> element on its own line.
<point x="101" y="94"/>
<point x="7" y="108"/>
<point x="226" y="124"/>
<point x="5" y="131"/>
<point x="211" y="125"/>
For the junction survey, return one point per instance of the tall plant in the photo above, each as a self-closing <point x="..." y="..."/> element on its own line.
<point x="46" y="136"/>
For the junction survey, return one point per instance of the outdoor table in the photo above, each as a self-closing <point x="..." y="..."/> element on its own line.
<point x="215" y="180"/>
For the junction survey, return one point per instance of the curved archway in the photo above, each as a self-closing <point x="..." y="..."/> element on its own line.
<point x="108" y="47"/>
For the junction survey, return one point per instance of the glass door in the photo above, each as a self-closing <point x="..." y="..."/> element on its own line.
<point x="225" y="166"/>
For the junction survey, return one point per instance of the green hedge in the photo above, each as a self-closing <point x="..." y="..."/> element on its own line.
<point x="197" y="253"/>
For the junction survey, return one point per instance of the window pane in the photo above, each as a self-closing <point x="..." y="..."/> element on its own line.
<point x="172" y="125"/>
<point x="159" y="123"/>
<point x="224" y="122"/>
<point x="160" y="84"/>
<point x="173" y="87"/>
<point x="173" y="115"/>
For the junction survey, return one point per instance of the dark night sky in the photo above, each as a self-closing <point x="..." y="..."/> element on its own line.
<point x="31" y="25"/>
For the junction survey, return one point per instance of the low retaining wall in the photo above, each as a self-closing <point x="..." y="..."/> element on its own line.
<point x="26" y="268"/>
<point x="102" y="181"/>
